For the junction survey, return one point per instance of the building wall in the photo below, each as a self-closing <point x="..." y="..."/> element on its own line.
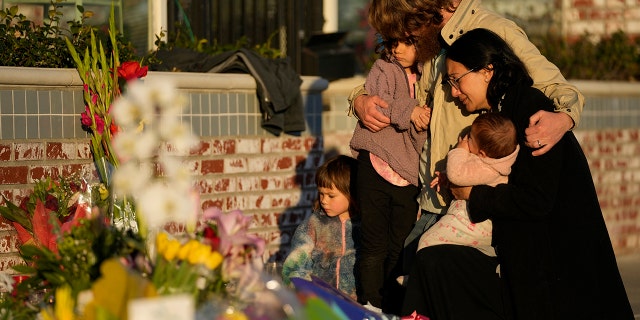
<point x="572" y="18"/>
<point x="238" y="165"/>
<point x="271" y="178"/>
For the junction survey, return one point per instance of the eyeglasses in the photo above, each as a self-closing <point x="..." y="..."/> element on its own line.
<point x="456" y="82"/>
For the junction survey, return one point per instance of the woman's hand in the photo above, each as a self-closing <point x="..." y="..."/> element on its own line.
<point x="365" y="107"/>
<point x="546" y="129"/>
<point x="463" y="143"/>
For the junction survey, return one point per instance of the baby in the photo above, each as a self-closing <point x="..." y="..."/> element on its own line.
<point x="484" y="156"/>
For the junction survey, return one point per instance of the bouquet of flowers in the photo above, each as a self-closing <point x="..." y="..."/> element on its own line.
<point x="103" y="78"/>
<point x="53" y="207"/>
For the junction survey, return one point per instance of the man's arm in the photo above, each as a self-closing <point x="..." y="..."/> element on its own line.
<point x="363" y="107"/>
<point x="546" y="127"/>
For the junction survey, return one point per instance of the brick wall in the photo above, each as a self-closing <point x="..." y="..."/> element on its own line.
<point x="239" y="165"/>
<point x="572" y="17"/>
<point x="270" y="179"/>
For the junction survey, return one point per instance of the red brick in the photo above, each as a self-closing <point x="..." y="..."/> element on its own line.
<point x="7" y="262"/>
<point x="292" y="145"/>
<point x="5" y="152"/>
<point x="284" y="163"/>
<point x="212" y="203"/>
<point x="8" y="243"/>
<point x="235" y="165"/>
<point x="38" y="173"/>
<point x="223" y="147"/>
<point x="313" y="144"/>
<point x="84" y="151"/>
<point x="258" y="201"/>
<point x="69" y="169"/>
<point x="212" y="166"/>
<point x="6" y="225"/>
<point x="264" y="220"/>
<point x="205" y="186"/>
<point x="203" y="148"/>
<point x="14" y="175"/>
<point x="61" y="150"/>
<point x="222" y="185"/>
<point x="54" y="151"/>
<point x="583" y="3"/>
<point x="29" y="151"/>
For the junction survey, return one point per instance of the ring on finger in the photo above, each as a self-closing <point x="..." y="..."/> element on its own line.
<point x="539" y="144"/>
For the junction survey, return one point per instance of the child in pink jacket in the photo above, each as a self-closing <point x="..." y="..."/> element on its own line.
<point x="484" y="156"/>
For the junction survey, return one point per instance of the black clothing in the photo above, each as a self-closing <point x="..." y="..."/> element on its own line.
<point x="278" y="84"/>
<point x="387" y="214"/>
<point x="550" y="236"/>
<point x="454" y="282"/>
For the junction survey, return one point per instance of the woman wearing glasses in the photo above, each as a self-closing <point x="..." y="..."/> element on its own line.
<point x="555" y="256"/>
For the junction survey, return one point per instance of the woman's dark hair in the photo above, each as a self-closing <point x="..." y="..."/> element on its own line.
<point x="482" y="48"/>
<point x="339" y="171"/>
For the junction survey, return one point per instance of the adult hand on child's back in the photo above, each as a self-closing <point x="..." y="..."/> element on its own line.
<point x="366" y="109"/>
<point x="546" y="129"/>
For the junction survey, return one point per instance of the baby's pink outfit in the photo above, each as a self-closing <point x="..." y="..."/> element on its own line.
<point x="467" y="169"/>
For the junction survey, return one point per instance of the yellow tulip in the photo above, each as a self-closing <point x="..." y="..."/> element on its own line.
<point x="213" y="260"/>
<point x="186" y="249"/>
<point x="199" y="254"/>
<point x="172" y="250"/>
<point x="63" y="308"/>
<point x="162" y="242"/>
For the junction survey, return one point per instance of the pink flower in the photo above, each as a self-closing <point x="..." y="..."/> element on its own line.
<point x="86" y="117"/>
<point x="99" y="123"/>
<point x="415" y="316"/>
<point x="232" y="227"/>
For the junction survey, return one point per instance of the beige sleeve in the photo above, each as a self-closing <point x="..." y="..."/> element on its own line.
<point x="356" y="92"/>
<point x="547" y="77"/>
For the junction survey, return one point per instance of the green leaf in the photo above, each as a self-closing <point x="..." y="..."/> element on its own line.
<point x="24" y="269"/>
<point x="14" y="213"/>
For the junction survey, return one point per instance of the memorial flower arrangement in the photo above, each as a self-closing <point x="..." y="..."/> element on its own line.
<point x="98" y="269"/>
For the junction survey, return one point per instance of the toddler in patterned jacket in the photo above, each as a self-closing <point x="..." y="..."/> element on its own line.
<point x="324" y="244"/>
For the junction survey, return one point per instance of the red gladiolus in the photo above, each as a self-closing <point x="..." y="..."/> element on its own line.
<point x="99" y="123"/>
<point x="131" y="70"/>
<point x="86" y="117"/>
